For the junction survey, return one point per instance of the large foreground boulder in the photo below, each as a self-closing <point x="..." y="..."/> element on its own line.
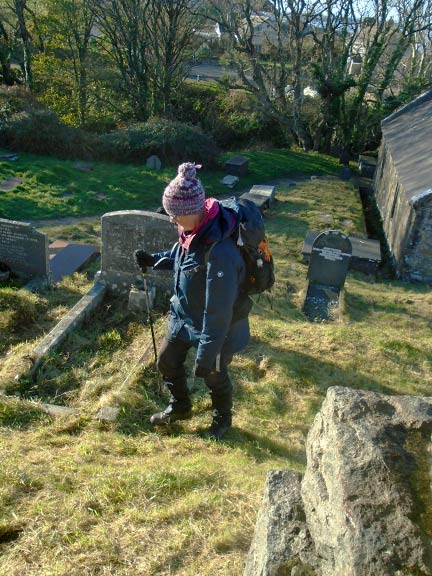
<point x="364" y="505"/>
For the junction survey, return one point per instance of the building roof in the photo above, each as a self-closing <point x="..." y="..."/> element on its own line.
<point x="408" y="135"/>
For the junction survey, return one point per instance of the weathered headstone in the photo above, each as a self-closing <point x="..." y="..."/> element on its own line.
<point x="23" y="249"/>
<point x="153" y="162"/>
<point x="237" y="166"/>
<point x="366" y="252"/>
<point x="124" y="232"/>
<point x="328" y="267"/>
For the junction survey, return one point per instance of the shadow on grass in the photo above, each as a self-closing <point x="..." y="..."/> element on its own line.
<point x="261" y="448"/>
<point x="359" y="309"/>
<point x="308" y="373"/>
<point x="13" y="414"/>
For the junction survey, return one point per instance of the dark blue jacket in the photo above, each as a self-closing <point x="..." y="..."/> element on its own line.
<point x="207" y="308"/>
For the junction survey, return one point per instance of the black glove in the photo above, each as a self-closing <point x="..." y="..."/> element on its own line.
<point x="143" y="259"/>
<point x="201" y="372"/>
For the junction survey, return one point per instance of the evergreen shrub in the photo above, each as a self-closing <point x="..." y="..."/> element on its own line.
<point x="172" y="141"/>
<point x="41" y="132"/>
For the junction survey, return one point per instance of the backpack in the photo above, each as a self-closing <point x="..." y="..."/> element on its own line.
<point x="249" y="236"/>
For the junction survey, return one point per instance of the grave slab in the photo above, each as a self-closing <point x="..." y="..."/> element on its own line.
<point x="266" y="191"/>
<point x="230" y="181"/>
<point x="70" y="259"/>
<point x="55" y="247"/>
<point x="23" y="249"/>
<point x="260" y="196"/>
<point x="76" y="315"/>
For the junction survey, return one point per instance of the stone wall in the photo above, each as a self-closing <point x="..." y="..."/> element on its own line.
<point x="407" y="225"/>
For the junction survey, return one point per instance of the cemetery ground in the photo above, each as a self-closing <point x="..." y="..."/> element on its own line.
<point x="44" y="187"/>
<point x="83" y="497"/>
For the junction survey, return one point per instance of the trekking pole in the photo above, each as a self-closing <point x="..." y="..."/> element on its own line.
<point x="149" y="314"/>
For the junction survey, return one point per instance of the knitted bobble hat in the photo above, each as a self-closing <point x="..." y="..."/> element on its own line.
<point x="185" y="194"/>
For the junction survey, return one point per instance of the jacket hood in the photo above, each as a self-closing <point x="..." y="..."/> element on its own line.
<point x="223" y="225"/>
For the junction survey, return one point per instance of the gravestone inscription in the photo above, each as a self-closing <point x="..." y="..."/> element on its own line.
<point x="329" y="262"/>
<point x="124" y="232"/>
<point x="23" y="249"/>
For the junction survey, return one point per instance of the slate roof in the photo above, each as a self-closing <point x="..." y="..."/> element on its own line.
<point x="408" y="137"/>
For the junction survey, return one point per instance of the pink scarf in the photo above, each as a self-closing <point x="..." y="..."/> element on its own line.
<point x="212" y="210"/>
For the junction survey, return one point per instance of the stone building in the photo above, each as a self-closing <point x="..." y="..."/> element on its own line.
<point x="403" y="188"/>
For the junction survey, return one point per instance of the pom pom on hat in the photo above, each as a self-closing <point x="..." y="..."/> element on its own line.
<point x="185" y="194"/>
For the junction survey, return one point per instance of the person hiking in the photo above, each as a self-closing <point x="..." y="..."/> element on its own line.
<point x="208" y="310"/>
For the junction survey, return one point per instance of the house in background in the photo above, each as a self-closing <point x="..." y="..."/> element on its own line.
<point x="403" y="188"/>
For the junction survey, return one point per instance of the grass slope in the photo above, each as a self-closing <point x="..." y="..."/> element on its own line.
<point x="82" y="498"/>
<point x="52" y="188"/>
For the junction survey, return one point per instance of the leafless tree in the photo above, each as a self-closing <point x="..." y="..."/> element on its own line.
<point x="124" y="37"/>
<point x="170" y="28"/>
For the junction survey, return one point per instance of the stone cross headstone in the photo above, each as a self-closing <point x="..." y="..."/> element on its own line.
<point x="24" y="250"/>
<point x="153" y="162"/>
<point x="126" y="231"/>
<point x="328" y="266"/>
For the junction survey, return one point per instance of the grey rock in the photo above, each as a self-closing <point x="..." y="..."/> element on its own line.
<point x="58" y="411"/>
<point x="282" y="543"/>
<point x="365" y="453"/>
<point x="10" y="183"/>
<point x="108" y="413"/>
<point x="364" y="505"/>
<point x="138" y="299"/>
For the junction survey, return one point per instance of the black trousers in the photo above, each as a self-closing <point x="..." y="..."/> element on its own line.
<point x="171" y="364"/>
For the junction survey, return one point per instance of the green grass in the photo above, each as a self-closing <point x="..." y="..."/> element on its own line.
<point x="55" y="189"/>
<point x="81" y="498"/>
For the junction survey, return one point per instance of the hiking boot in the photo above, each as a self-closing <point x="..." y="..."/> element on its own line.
<point x="219" y="427"/>
<point x="170" y="414"/>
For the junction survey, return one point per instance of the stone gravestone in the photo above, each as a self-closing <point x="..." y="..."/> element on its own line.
<point x="237" y="166"/>
<point x="153" y="162"/>
<point x="124" y="232"/>
<point x="24" y="250"/>
<point x="328" y="267"/>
